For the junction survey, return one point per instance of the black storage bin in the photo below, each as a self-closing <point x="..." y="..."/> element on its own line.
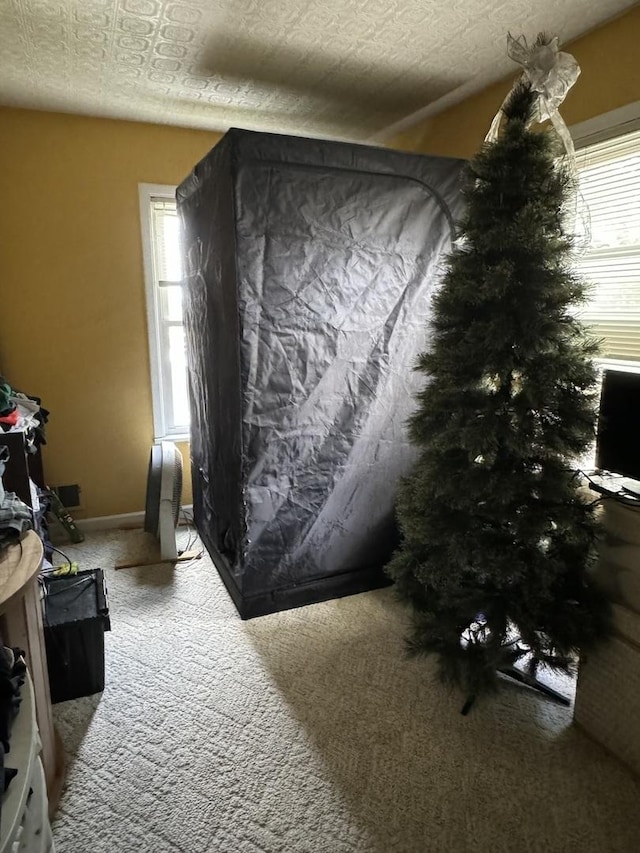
<point x="76" y="615"/>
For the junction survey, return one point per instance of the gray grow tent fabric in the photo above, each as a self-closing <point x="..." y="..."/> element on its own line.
<point x="309" y="268"/>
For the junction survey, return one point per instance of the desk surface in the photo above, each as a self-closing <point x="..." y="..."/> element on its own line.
<point x="19" y="564"/>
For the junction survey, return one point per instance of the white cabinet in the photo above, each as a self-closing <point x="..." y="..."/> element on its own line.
<point x="607" y="703"/>
<point x="24" y="822"/>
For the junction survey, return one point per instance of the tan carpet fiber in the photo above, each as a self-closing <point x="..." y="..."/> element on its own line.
<point x="309" y="732"/>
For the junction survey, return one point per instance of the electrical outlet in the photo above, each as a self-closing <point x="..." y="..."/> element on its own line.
<point x="69" y="495"/>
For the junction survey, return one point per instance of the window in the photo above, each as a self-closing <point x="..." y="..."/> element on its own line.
<point x="609" y="177"/>
<point x="163" y="280"/>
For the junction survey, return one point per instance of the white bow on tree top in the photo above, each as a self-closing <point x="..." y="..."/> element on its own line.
<point x="551" y="73"/>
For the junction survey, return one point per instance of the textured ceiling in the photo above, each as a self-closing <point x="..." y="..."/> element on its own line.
<point x="341" y="68"/>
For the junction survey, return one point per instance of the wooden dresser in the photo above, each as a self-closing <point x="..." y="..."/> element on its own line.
<point x="21" y="626"/>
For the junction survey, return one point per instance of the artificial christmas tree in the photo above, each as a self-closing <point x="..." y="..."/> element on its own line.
<point x="497" y="542"/>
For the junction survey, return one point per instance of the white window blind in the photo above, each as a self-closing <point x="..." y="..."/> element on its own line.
<point x="609" y="175"/>
<point x="166" y="227"/>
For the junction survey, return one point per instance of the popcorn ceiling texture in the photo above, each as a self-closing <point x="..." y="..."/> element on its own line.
<point x="309" y="731"/>
<point x="346" y="69"/>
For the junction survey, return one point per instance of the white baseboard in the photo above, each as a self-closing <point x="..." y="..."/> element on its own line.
<point x="124" y="521"/>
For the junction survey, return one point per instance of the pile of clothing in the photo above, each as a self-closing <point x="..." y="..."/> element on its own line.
<point x="15" y="515"/>
<point x="12" y="675"/>
<point x="20" y="412"/>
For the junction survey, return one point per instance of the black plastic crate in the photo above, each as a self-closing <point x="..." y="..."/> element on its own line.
<point x="76" y="615"/>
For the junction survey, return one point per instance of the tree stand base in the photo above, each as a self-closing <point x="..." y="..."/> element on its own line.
<point x="528" y="680"/>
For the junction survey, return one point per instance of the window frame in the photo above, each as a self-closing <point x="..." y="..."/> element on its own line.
<point x="158" y="350"/>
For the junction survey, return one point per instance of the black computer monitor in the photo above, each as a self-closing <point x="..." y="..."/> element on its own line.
<point x="618" y="440"/>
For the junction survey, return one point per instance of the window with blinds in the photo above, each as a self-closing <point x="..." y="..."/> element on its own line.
<point x="609" y="177"/>
<point x="163" y="275"/>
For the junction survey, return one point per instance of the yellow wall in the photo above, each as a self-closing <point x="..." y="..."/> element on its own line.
<point x="610" y="78"/>
<point x="72" y="316"/>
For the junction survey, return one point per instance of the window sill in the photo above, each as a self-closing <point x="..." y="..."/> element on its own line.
<point x="181" y="437"/>
<point x="618" y="364"/>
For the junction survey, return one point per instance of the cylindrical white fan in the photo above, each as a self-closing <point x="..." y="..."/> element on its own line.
<point x="162" y="508"/>
<point x="164" y="490"/>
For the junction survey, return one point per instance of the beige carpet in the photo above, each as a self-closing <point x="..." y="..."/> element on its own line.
<point x="309" y="732"/>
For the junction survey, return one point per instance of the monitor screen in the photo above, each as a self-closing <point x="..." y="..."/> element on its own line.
<point x="618" y="441"/>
